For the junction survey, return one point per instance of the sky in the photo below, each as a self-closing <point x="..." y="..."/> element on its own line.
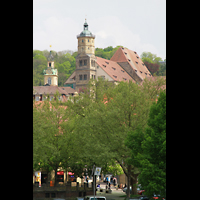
<point x="139" y="25"/>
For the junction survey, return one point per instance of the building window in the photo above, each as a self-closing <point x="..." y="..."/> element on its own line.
<point x="80" y="63"/>
<point x="82" y="40"/>
<point x="80" y="77"/>
<point x="93" y="63"/>
<point x="37" y="98"/>
<point x="85" y="62"/>
<point x="49" y="64"/>
<point x="85" y="76"/>
<point x="103" y="77"/>
<point x="88" y="40"/>
<point x="49" y="80"/>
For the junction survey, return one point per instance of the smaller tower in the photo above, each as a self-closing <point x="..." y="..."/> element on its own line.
<point x="50" y="74"/>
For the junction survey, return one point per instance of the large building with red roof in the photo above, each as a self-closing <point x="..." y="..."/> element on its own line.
<point x="125" y="64"/>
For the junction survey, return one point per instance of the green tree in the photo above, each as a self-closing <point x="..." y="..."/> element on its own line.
<point x="53" y="143"/>
<point x="149" y="149"/>
<point x="106" y="115"/>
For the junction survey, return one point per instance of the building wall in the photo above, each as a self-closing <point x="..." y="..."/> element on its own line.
<point x="86" y="46"/>
<point x="101" y="72"/>
<point x="54" y="79"/>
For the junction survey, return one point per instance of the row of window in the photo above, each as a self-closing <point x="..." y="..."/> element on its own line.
<point x="84" y="63"/>
<point x="85" y="40"/>
<point x="84" y="77"/>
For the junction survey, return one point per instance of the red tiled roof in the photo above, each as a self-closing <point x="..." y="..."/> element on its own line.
<point x="52" y="90"/>
<point x="126" y="55"/>
<point x="114" y="70"/>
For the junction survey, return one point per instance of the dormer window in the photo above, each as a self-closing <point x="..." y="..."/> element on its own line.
<point x="114" y="76"/>
<point x="107" y="62"/>
<point x="104" y="65"/>
<point x="122" y="70"/>
<point x="129" y="60"/>
<point x="136" y="62"/>
<point x="137" y="57"/>
<point x="125" y="53"/>
<point x="114" y="68"/>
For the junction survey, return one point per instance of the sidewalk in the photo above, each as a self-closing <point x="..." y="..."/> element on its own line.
<point x="115" y="194"/>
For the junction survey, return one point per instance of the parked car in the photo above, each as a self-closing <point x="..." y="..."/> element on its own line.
<point x="144" y="198"/>
<point x="125" y="189"/>
<point x="91" y="197"/>
<point x="157" y="196"/>
<point x="139" y="191"/>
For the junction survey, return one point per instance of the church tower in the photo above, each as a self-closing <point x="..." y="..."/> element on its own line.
<point x="50" y="74"/>
<point x="85" y="60"/>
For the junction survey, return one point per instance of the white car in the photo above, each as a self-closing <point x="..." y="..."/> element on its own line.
<point x="96" y="198"/>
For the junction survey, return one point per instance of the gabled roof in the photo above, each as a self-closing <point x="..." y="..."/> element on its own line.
<point x="71" y="77"/>
<point x="113" y="69"/>
<point x="126" y="55"/>
<point x="52" y="90"/>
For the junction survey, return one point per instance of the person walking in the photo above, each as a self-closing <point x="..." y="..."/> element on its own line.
<point x="114" y="181"/>
<point x="106" y="180"/>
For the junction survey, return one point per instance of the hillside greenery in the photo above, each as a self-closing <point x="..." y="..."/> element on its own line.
<point x="65" y="62"/>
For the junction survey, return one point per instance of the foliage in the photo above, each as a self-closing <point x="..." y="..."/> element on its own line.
<point x="152" y="63"/>
<point x="149" y="149"/>
<point x="53" y="144"/>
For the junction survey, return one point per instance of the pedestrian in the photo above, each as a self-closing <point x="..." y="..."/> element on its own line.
<point x="107" y="180"/>
<point x="114" y="181"/>
<point x="111" y="180"/>
<point x="109" y="185"/>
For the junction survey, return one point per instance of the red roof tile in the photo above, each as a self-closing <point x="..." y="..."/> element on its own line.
<point x="114" y="70"/>
<point x="126" y="55"/>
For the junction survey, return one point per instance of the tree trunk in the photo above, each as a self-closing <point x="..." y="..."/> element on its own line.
<point x="134" y="184"/>
<point x="128" y="180"/>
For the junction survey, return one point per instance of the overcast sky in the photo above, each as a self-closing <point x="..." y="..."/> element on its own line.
<point x="139" y="25"/>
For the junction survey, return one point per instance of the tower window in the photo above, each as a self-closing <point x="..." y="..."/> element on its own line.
<point x="80" y="77"/>
<point x="49" y="80"/>
<point x="85" y="76"/>
<point x="49" y="64"/>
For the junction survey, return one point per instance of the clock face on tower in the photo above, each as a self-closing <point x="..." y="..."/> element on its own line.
<point x="49" y="71"/>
